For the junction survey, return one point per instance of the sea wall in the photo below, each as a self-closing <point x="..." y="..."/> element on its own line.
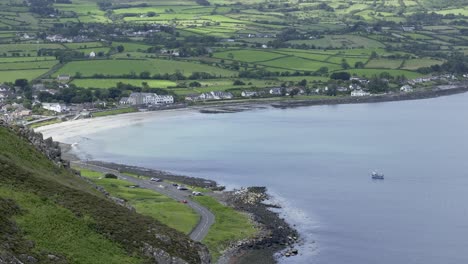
<point x="373" y="99"/>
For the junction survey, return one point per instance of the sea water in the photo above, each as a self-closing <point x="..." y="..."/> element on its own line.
<point x="316" y="161"/>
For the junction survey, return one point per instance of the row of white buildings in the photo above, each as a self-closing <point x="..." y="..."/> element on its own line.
<point x="213" y="95"/>
<point x="147" y="99"/>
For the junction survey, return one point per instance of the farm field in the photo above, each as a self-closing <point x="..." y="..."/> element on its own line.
<point x="109" y="83"/>
<point x="121" y="67"/>
<point x="266" y="43"/>
<point x="414" y="64"/>
<point x="384" y="64"/>
<point x="12" y="75"/>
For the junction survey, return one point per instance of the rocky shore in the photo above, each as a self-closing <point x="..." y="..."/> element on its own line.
<point x="275" y="234"/>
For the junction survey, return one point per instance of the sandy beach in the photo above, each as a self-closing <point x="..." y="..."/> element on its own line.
<point x="69" y="131"/>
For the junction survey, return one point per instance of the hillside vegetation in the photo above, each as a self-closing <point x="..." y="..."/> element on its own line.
<point x="49" y="215"/>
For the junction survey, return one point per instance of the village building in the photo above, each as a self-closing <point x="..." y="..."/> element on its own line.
<point x="359" y="93"/>
<point x="63" y="78"/>
<point x="123" y="101"/>
<point x="406" y="88"/>
<point x="221" y="95"/>
<point x="149" y="99"/>
<point x="56" y="107"/>
<point x="275" y="91"/>
<point x="92" y="55"/>
<point x="249" y="93"/>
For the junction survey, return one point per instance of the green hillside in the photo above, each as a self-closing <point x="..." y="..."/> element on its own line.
<point x="50" y="215"/>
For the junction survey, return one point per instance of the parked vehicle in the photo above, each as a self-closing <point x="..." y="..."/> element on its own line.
<point x="182" y="188"/>
<point x="184" y="201"/>
<point x="197" y="194"/>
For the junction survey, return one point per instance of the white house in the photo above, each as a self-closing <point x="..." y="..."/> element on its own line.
<point x="56" y="107"/>
<point x="63" y="78"/>
<point x="123" y="100"/>
<point x="359" y="93"/>
<point x="92" y="54"/>
<point x="406" y="88"/>
<point x="221" y="95"/>
<point x="149" y="99"/>
<point x="275" y="91"/>
<point x="249" y="93"/>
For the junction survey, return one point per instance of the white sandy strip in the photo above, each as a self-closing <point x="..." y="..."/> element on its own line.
<point x="65" y="132"/>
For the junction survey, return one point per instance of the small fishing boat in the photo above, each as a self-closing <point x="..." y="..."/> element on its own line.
<point x="377" y="176"/>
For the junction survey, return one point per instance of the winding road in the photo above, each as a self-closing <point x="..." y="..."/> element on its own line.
<point x="206" y="217"/>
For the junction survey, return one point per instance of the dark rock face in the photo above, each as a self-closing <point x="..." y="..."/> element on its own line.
<point x="47" y="146"/>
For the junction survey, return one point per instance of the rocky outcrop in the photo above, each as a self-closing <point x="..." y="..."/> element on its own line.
<point x="48" y="147"/>
<point x="275" y="233"/>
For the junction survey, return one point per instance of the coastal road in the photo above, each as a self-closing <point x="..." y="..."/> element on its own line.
<point x="206" y="217"/>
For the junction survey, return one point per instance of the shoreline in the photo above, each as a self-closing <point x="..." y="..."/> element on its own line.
<point x="275" y="238"/>
<point x="244" y="251"/>
<point x="74" y="128"/>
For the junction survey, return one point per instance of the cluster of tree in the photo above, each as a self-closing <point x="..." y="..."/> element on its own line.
<point x="42" y="7"/>
<point x="203" y="2"/>
<point x="262" y="73"/>
<point x="158" y="76"/>
<point x="456" y="63"/>
<point x="189" y="44"/>
<point x="378" y="85"/>
<point x="68" y="55"/>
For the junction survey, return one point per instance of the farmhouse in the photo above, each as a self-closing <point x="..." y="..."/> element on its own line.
<point x="58" y="38"/>
<point x="249" y="93"/>
<point x="59" y="108"/>
<point x="221" y="95"/>
<point x="359" y="93"/>
<point x="275" y="91"/>
<point x="5" y="92"/>
<point x="63" y="78"/>
<point x="149" y="99"/>
<point x="123" y="101"/>
<point x="38" y="87"/>
<point x="406" y="88"/>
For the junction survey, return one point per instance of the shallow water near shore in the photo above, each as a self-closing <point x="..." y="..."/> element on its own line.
<point x="317" y="161"/>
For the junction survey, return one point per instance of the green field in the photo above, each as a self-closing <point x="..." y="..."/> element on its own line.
<point x="247" y="55"/>
<point x="414" y="64"/>
<point x="11" y="76"/>
<point x="120" y="67"/>
<point x="109" y="83"/>
<point x="384" y="64"/>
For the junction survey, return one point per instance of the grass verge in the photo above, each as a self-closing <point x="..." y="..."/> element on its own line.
<point x="230" y="226"/>
<point x="115" y="112"/>
<point x="148" y="202"/>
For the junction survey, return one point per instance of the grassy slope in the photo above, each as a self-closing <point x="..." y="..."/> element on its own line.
<point x="230" y="226"/>
<point x="65" y="216"/>
<point x="147" y="202"/>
